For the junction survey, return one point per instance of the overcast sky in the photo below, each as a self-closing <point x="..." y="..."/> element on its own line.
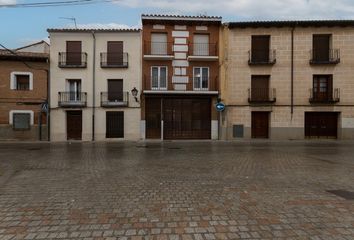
<point x="20" y="26"/>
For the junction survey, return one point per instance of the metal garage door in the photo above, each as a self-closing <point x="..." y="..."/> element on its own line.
<point x="321" y="124"/>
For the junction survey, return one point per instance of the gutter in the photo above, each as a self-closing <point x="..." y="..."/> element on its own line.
<point x="93" y="84"/>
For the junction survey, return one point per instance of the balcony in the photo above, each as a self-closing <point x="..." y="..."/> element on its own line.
<point x="329" y="97"/>
<point x="72" y="99"/>
<point x="262" y="57"/>
<point x="114" y="99"/>
<point x="262" y="95"/>
<point x="72" y="60"/>
<point x="155" y="84"/>
<point x="324" y="57"/>
<point x="158" y="50"/>
<point x="207" y="84"/>
<point x="114" y="60"/>
<point x="203" y="52"/>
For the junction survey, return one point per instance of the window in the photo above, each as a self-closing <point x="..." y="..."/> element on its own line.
<point x="74" y="90"/>
<point x="321" y="47"/>
<point x="201" y="78"/>
<point x="115" y="90"/>
<point x="260" y="87"/>
<point x="159" y="44"/>
<point x="22" y="81"/>
<point x="322" y="87"/>
<point x="201" y="45"/>
<point x="260" y="49"/>
<point x="115" y="53"/>
<point x="73" y="53"/>
<point x="21" y="119"/>
<point x="159" y="77"/>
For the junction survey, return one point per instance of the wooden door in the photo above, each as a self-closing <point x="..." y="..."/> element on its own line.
<point x="260" y="124"/>
<point x="115" y="53"/>
<point x="74" y="125"/>
<point x="321" y="124"/>
<point x="153" y="118"/>
<point x="321" y="47"/>
<point x="114" y="124"/>
<point x="115" y="90"/>
<point x="260" y="49"/>
<point x="73" y="52"/>
<point x="260" y="88"/>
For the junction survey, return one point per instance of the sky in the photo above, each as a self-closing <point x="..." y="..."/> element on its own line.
<point x="22" y="26"/>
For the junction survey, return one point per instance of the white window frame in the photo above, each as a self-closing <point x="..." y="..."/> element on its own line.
<point x="159" y="80"/>
<point x="11" y="115"/>
<point x="201" y="76"/>
<point x="76" y="98"/>
<point x="13" y="80"/>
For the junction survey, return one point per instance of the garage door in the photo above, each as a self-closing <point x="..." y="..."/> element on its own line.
<point x="321" y="125"/>
<point x="187" y="118"/>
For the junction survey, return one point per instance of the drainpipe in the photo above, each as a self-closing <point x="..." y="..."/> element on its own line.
<point x="292" y="71"/>
<point x="48" y="102"/>
<point x="93" y="84"/>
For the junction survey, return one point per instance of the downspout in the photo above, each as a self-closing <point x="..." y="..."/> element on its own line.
<point x="292" y="71"/>
<point x="93" y="85"/>
<point x="48" y="102"/>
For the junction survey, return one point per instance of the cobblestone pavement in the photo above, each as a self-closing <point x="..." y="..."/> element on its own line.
<point x="177" y="190"/>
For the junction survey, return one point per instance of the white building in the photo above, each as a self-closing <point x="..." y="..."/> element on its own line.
<point x="95" y="84"/>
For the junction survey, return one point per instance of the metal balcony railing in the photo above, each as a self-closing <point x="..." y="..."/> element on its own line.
<point x="324" y="57"/>
<point x="157" y="48"/>
<point x="72" y="59"/>
<point x="114" y="99"/>
<point x="262" y="95"/>
<point x="204" y="84"/>
<point x="155" y="83"/>
<point x="114" y="60"/>
<point x="262" y="57"/>
<point x="203" y="49"/>
<point x="72" y="99"/>
<point x="324" y="97"/>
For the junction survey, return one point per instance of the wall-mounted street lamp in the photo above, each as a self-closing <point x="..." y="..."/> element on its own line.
<point x="135" y="93"/>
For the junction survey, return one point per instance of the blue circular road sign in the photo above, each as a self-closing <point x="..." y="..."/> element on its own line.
<point x="220" y="106"/>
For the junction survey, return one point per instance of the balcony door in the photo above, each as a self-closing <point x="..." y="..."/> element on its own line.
<point x="260" y="49"/>
<point x="115" y="53"/>
<point x="321" y="47"/>
<point x="322" y="87"/>
<point x="201" y="45"/>
<point x="159" y="44"/>
<point x="115" y="90"/>
<point x="260" y="88"/>
<point x="74" y="90"/>
<point x="73" y="52"/>
<point x="159" y="77"/>
<point x="201" y="78"/>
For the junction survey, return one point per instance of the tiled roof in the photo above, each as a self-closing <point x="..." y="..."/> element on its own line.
<point x="180" y="17"/>
<point x="92" y="29"/>
<point x="5" y="54"/>
<point x="294" y="23"/>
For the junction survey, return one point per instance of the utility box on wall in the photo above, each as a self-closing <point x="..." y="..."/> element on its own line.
<point x="238" y="131"/>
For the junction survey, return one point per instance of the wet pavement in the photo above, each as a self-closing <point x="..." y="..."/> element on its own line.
<point x="177" y="190"/>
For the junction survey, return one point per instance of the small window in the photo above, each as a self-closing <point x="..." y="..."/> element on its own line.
<point x="21" y="121"/>
<point x="21" y="81"/>
<point x="201" y="78"/>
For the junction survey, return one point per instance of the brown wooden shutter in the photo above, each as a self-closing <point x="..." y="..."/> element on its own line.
<point x="22" y="82"/>
<point x="260" y="88"/>
<point x="115" y="52"/>
<point x="73" y="52"/>
<point x="115" y="90"/>
<point x="321" y="47"/>
<point x="260" y="48"/>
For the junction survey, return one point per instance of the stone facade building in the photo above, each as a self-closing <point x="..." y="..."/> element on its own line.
<point x="288" y="79"/>
<point x="95" y="84"/>
<point x="23" y="90"/>
<point x="180" y="70"/>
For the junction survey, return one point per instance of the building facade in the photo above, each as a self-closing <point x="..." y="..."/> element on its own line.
<point x="288" y="79"/>
<point x="95" y="84"/>
<point x="23" y="88"/>
<point x="180" y="70"/>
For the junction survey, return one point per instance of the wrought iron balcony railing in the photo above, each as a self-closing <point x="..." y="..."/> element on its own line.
<point x="328" y="97"/>
<point x="114" y="99"/>
<point x="114" y="60"/>
<point x="203" y="49"/>
<point x="262" y="95"/>
<point x="332" y="56"/>
<point x="72" y="60"/>
<point x="72" y="99"/>
<point x="157" y="48"/>
<point x="262" y="57"/>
